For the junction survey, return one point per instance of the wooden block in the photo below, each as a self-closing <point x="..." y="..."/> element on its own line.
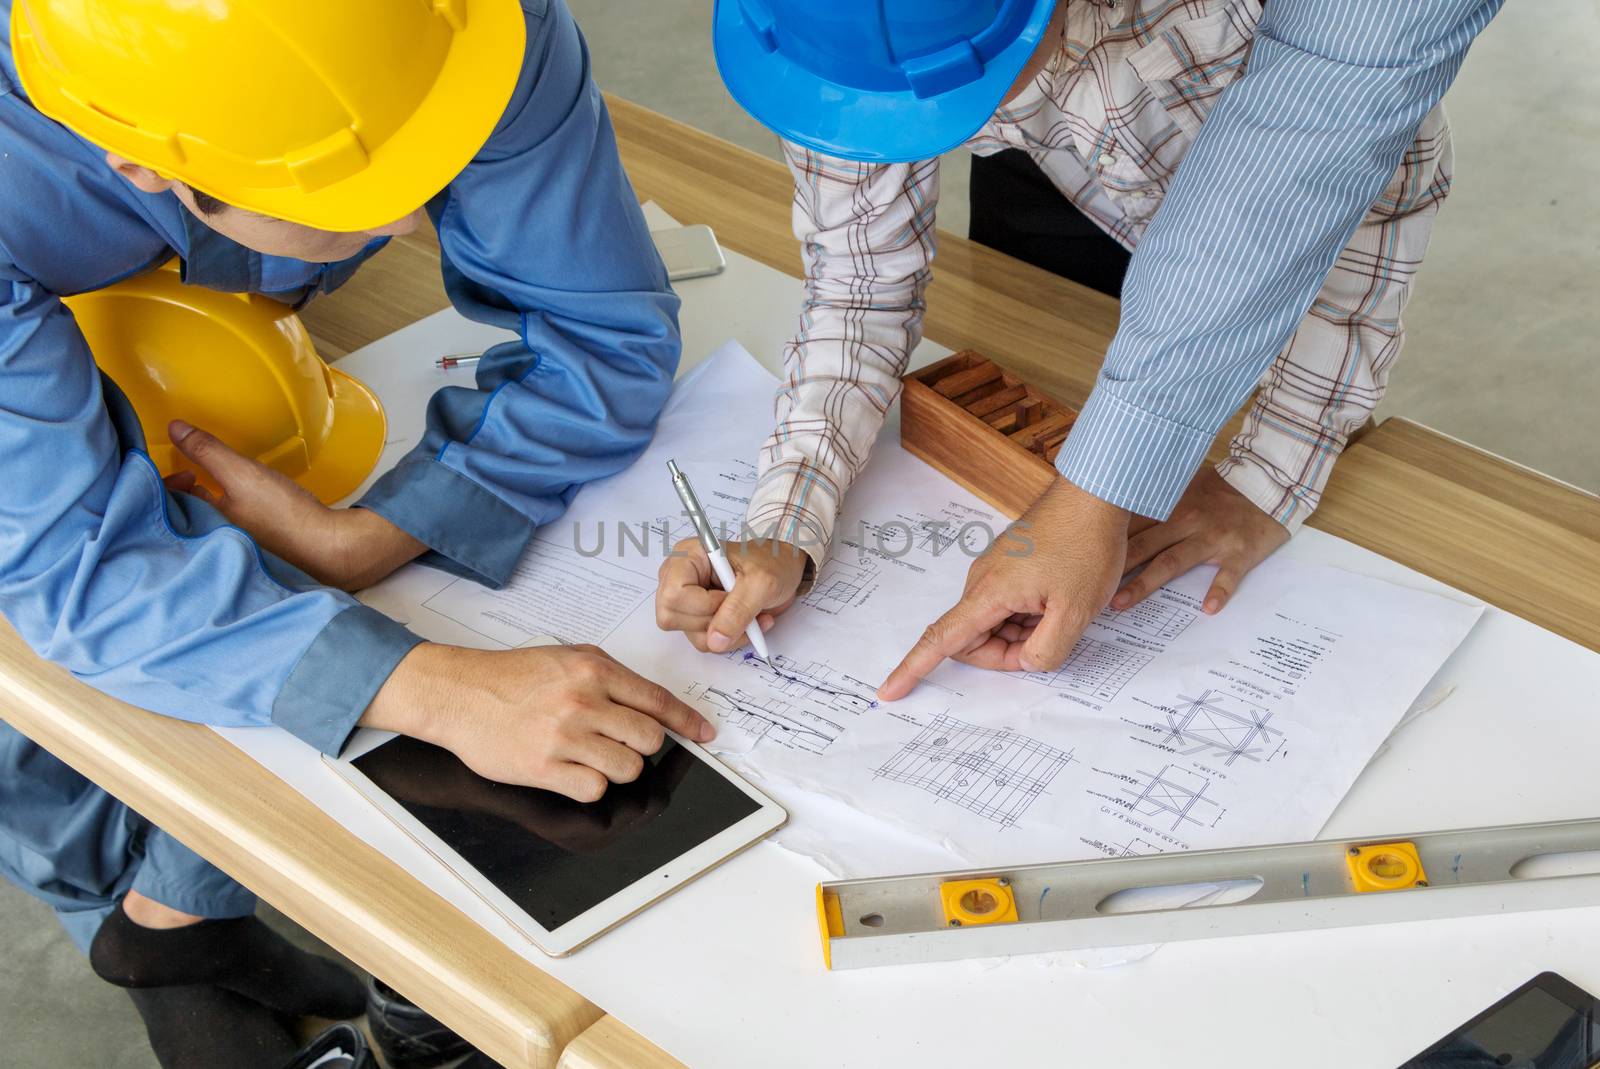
<point x="965" y="381"/>
<point x="969" y="442"/>
<point x="981" y="394"/>
<point x="1031" y="436"/>
<point x="1010" y="395"/>
<point x="1007" y="419"/>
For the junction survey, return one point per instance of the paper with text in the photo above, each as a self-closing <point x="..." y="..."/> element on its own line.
<point x="1165" y="729"/>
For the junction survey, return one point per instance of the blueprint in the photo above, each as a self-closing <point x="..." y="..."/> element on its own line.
<point x="1165" y="729"/>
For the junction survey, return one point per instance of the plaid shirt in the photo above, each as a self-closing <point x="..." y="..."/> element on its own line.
<point x="1109" y="120"/>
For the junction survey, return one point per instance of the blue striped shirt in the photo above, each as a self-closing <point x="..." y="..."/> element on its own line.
<point x="1285" y="166"/>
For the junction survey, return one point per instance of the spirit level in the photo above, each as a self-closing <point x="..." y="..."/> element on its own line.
<point x="897" y="920"/>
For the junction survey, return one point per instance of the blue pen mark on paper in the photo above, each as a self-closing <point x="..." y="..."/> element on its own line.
<point x="809" y="682"/>
<point x="1041" y="898"/>
<point x="1305" y="884"/>
<point x="1455" y="868"/>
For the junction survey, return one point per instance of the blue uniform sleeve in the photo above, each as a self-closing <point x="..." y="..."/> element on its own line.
<point x="541" y="234"/>
<point x="1277" y="180"/>
<point x="152" y="597"/>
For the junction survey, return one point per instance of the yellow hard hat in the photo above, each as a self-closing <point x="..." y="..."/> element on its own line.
<point x="238" y="365"/>
<point x="339" y="114"/>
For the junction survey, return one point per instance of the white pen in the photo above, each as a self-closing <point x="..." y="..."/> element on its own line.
<point x="713" y="547"/>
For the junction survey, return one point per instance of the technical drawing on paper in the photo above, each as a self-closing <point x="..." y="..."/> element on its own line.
<point x="933" y="534"/>
<point x="1095" y="669"/>
<point x="739" y="476"/>
<point x="1134" y="847"/>
<point x="772" y="718"/>
<point x="813" y="682"/>
<point x="1151" y="618"/>
<point x="723" y="495"/>
<point x="1137" y="847"/>
<point x="797" y="706"/>
<point x="1225" y="724"/>
<point x="1173" y="792"/>
<point x="843" y="584"/>
<point x="994" y="772"/>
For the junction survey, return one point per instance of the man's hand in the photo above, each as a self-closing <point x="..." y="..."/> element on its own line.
<point x="1031" y="595"/>
<point x="768" y="572"/>
<point x="564" y="718"/>
<point x="345" y="548"/>
<point x="1213" y="524"/>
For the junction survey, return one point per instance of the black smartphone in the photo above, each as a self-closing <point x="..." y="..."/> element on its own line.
<point x="1547" y="1023"/>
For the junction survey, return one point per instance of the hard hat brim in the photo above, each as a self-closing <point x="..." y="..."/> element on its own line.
<point x="354" y="443"/>
<point x="856" y="124"/>
<point x="465" y="104"/>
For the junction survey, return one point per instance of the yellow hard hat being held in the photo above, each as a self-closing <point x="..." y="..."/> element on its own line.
<point x="238" y="365"/>
<point x="339" y="114"/>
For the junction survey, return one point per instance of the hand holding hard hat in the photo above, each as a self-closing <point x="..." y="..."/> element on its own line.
<point x="241" y="365"/>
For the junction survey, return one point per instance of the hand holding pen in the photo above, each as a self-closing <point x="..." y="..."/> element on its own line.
<point x="720" y="564"/>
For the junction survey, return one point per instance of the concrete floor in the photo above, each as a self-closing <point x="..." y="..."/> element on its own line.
<point x="1502" y="351"/>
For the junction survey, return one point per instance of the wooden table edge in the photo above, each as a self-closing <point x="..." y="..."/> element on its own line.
<point x="217" y="800"/>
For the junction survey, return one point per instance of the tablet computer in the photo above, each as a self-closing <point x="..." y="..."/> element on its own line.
<point x="560" y="871"/>
<point x="1547" y="1023"/>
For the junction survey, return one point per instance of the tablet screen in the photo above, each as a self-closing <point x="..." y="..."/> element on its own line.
<point x="1547" y="1023"/>
<point x="556" y="858"/>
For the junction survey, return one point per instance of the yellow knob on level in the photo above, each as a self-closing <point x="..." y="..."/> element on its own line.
<point x="986" y="901"/>
<point x="1385" y="867"/>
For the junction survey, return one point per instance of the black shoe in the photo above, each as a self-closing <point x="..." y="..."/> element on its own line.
<point x="340" y="1047"/>
<point x="407" y="1036"/>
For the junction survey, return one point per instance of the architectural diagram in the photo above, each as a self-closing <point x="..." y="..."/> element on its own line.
<point x="773" y="719"/>
<point x="1225" y="724"/>
<point x="1175" y="794"/>
<point x="954" y="530"/>
<point x="1134" y="847"/>
<point x="1137" y="847"/>
<point x="1094" y="669"/>
<point x="797" y="706"/>
<point x="992" y="772"/>
<point x="843" y="584"/>
<point x="812" y="682"/>
<point x="1152" y="619"/>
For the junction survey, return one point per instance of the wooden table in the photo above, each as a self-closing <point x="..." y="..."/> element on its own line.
<point x="1509" y="536"/>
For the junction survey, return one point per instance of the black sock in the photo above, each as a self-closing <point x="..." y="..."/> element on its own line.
<point x="203" y="1027"/>
<point x="242" y="955"/>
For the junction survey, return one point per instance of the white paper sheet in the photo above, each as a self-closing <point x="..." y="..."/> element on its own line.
<point x="1166" y="729"/>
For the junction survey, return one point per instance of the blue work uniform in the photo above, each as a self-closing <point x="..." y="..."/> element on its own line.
<point x="153" y="597"/>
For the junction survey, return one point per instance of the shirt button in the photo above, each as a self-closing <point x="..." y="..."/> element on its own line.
<point x="1108" y="160"/>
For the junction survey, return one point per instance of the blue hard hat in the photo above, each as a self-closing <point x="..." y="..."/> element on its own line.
<point x="881" y="80"/>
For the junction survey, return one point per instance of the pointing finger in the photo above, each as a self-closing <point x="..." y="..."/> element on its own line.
<point x="962" y="630"/>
